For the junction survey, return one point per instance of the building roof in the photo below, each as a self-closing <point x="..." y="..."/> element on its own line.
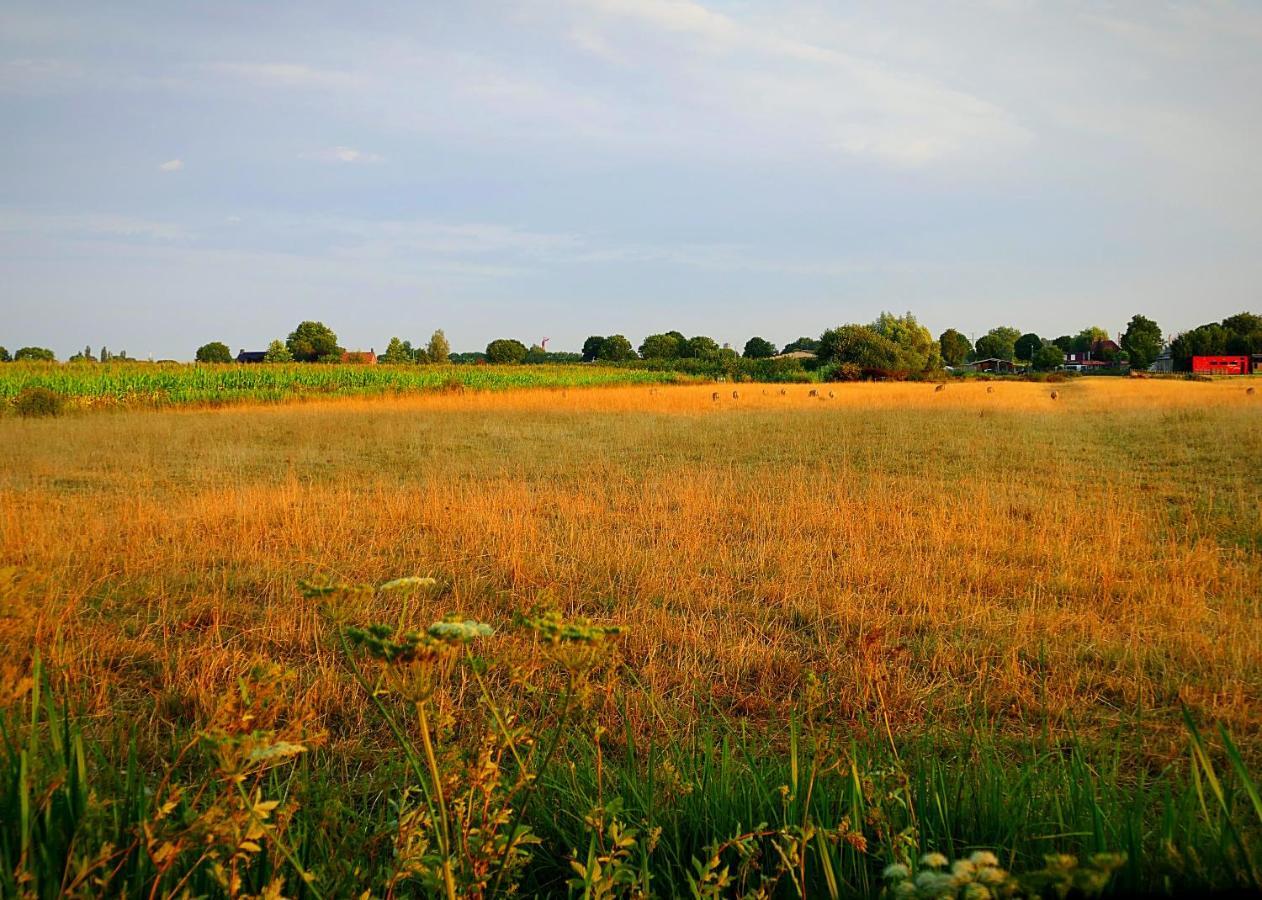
<point x="796" y="354"/>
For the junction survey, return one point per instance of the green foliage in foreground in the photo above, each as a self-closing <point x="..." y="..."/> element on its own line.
<point x="148" y="384"/>
<point x="549" y="803"/>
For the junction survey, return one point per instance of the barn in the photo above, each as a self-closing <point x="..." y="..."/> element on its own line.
<point x="1221" y="365"/>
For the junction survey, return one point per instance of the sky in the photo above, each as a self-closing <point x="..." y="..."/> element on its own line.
<point x="175" y="173"/>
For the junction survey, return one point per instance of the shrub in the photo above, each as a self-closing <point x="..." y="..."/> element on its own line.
<point x="38" y="403"/>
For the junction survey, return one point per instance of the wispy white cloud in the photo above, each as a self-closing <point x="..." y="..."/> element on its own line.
<point x="342" y="155"/>
<point x="171" y="165"/>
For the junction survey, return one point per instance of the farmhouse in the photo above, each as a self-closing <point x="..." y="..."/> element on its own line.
<point x="361" y="357"/>
<point x="251" y="356"/>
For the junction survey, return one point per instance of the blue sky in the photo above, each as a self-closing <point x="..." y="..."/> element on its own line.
<point x="173" y="173"/>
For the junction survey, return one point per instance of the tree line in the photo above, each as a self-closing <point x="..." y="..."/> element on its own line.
<point x="890" y="346"/>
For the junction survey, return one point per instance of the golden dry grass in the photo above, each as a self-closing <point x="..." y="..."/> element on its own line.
<point x="933" y="556"/>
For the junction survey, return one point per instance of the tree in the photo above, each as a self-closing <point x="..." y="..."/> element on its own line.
<point x="616" y="348"/>
<point x="312" y="342"/>
<point x="1084" y="339"/>
<point x="1245" y="333"/>
<point x="1048" y="357"/>
<point x="860" y="346"/>
<point x="438" y="350"/>
<point x="954" y="346"/>
<point x="85" y="356"/>
<point x="759" y="348"/>
<point x="505" y="350"/>
<point x="1027" y="345"/>
<point x="917" y="349"/>
<point x="661" y="346"/>
<point x="591" y="347"/>
<point x="1142" y="341"/>
<point x="214" y="352"/>
<point x="701" y="347"/>
<point x="104" y="356"/>
<point x="34" y="354"/>
<point x="998" y="343"/>
<point x="4" y="356"/>
<point x="1065" y="343"/>
<point x="277" y="352"/>
<point x="398" y="353"/>
<point x="810" y="345"/>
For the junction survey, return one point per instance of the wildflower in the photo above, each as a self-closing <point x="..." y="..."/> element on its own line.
<point x="983" y="858"/>
<point x="991" y="875"/>
<point x="895" y="872"/>
<point x="976" y="891"/>
<point x="905" y="890"/>
<point x="963" y="870"/>
<point x="934" y="860"/>
<point x="935" y="884"/>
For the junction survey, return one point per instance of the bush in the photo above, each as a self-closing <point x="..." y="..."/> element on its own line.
<point x="38" y="403"/>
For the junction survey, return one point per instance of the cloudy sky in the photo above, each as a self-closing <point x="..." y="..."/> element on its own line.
<point x="172" y="173"/>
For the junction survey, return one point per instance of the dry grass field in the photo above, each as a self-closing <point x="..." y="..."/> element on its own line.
<point x="928" y="560"/>
<point x="923" y="552"/>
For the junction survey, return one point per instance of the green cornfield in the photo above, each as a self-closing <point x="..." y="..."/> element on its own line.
<point x="137" y="384"/>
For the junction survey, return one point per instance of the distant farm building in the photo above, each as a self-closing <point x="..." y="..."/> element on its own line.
<point x="1221" y="365"/>
<point x="360" y="357"/>
<point x="251" y="356"/>
<point x="1101" y="355"/>
<point x="797" y="354"/>
<point x="995" y="365"/>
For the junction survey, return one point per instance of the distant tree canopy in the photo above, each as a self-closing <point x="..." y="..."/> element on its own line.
<point x="1048" y="357"/>
<point x="998" y="343"/>
<point x="84" y="355"/>
<point x="506" y="350"/>
<point x="1142" y="341"/>
<point x="918" y="351"/>
<point x="34" y="354"/>
<point x="661" y="346"/>
<point x="1238" y="334"/>
<point x="701" y="347"/>
<point x="1027" y="345"/>
<point x="1065" y="343"/>
<point x="214" y="352"/>
<point x="4" y="355"/>
<point x="954" y="346"/>
<point x="398" y="352"/>
<point x="759" y="348"/>
<point x="860" y="346"/>
<point x="1084" y="339"/>
<point x="615" y="348"/>
<point x="591" y="347"/>
<point x="277" y="352"/>
<point x="438" y="350"/>
<point x="313" y="342"/>
<point x="811" y="345"/>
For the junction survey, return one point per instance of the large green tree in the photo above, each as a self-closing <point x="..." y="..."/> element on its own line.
<point x="312" y="342"/>
<point x="661" y="346"/>
<point x="4" y="356"/>
<point x="809" y="344"/>
<point x="438" y="350"/>
<point x="1142" y="341"/>
<point x="34" y="354"/>
<point x="759" y="348"/>
<point x="591" y="347"/>
<point x="955" y="347"/>
<point x="998" y="343"/>
<point x="1084" y="339"/>
<point x="1027" y="345"/>
<point x="1048" y="357"/>
<point x="918" y="350"/>
<point x="701" y="347"/>
<point x="615" y="348"/>
<point x="277" y="352"/>
<point x="859" y="345"/>
<point x="214" y="352"/>
<point x="506" y="350"/>
<point x="398" y="353"/>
